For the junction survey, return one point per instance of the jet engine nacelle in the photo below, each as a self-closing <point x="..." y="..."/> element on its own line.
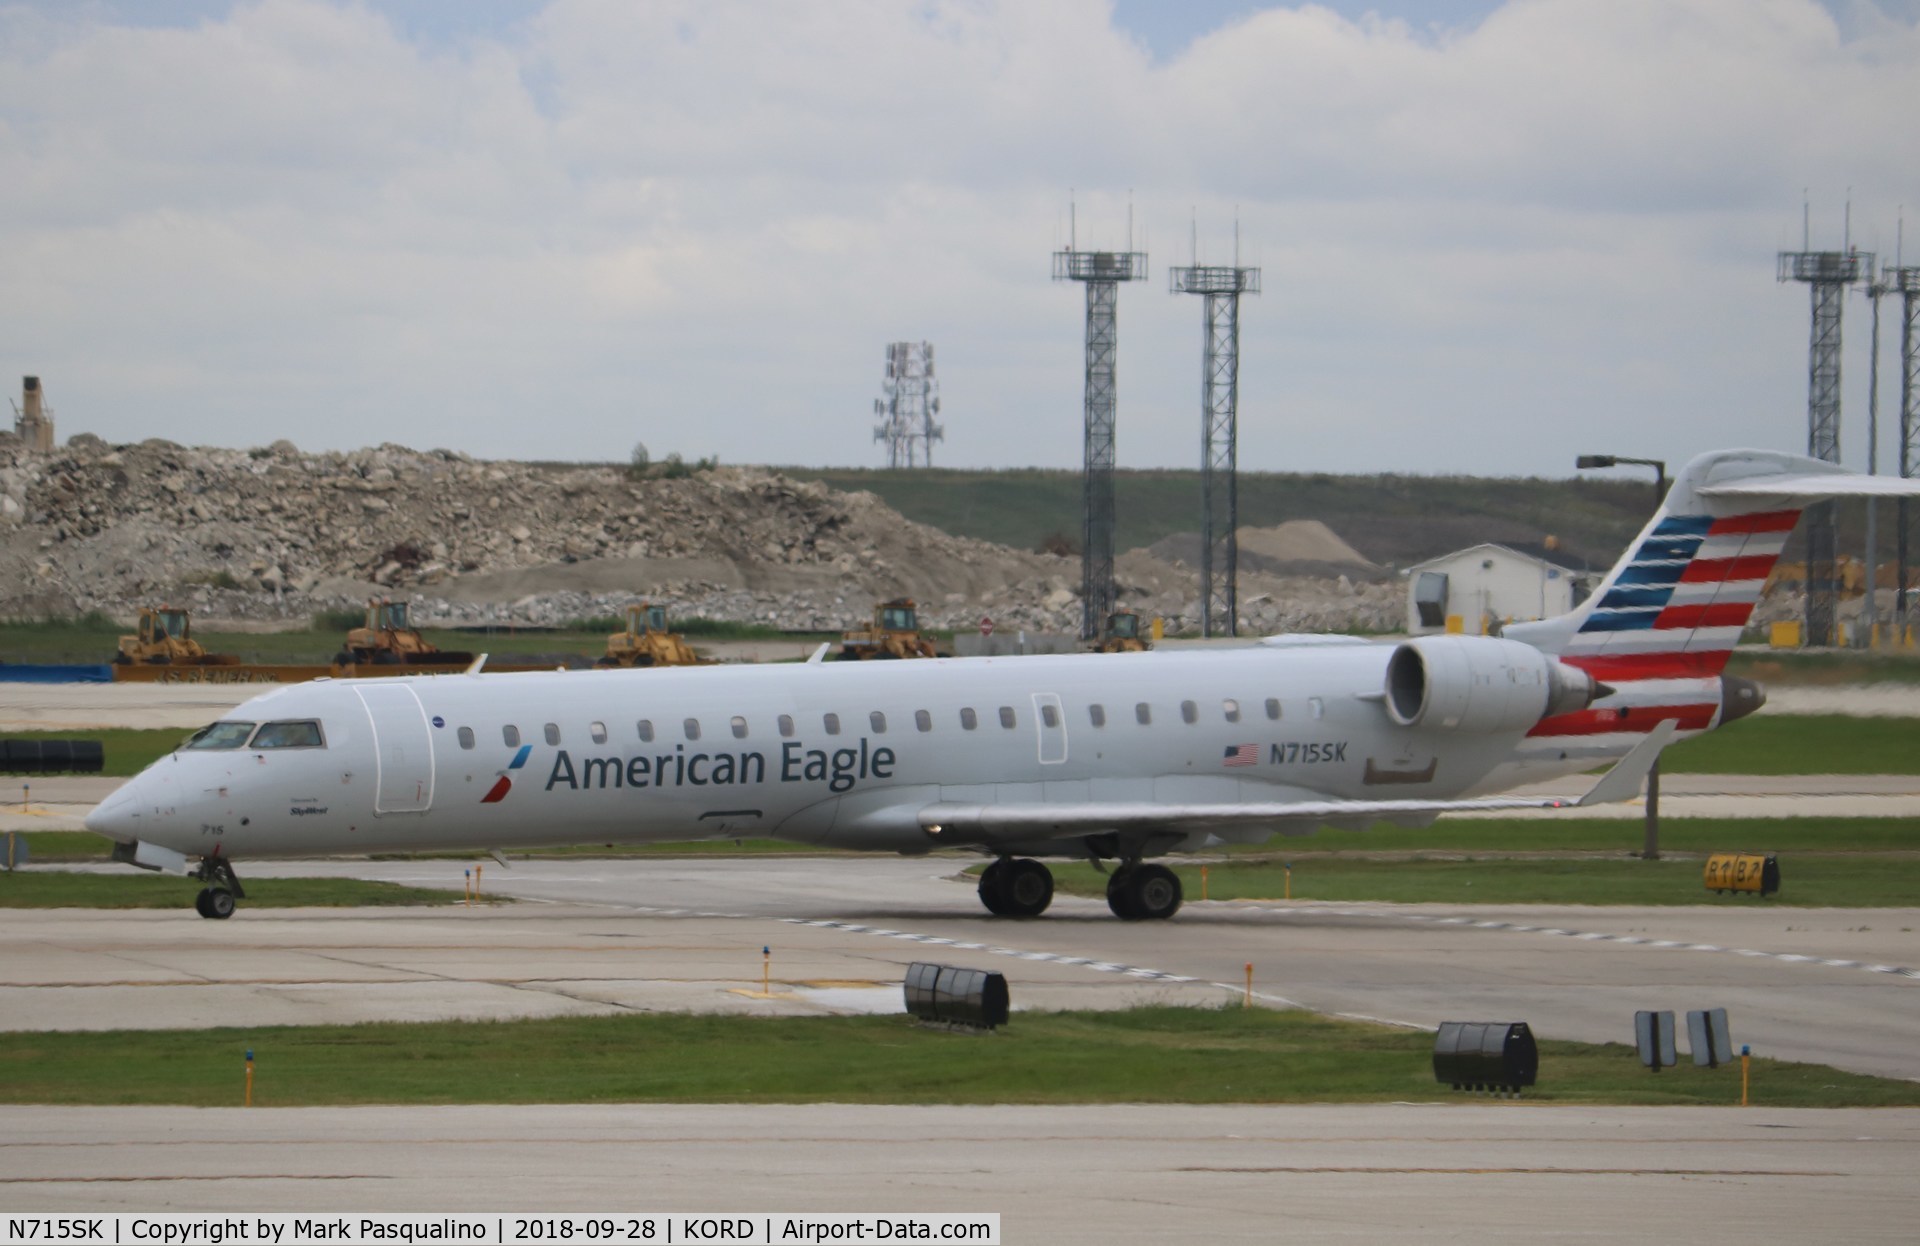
<point x="1481" y="683"/>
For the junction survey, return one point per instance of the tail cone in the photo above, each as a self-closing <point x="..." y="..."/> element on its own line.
<point x="1739" y="697"/>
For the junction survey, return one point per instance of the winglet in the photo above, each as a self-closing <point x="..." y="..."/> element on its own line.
<point x="474" y="668"/>
<point x="820" y="654"/>
<point x="1624" y="780"/>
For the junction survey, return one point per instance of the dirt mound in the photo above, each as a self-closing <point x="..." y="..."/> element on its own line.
<point x="276" y="533"/>
<point x="1298" y="547"/>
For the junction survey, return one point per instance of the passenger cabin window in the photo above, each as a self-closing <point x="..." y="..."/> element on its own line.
<point x="598" y="731"/>
<point x="1097" y="715"/>
<point x="1273" y="708"/>
<point x="466" y="737"/>
<point x="786" y="726"/>
<point x="645" y="727"/>
<point x="1143" y="714"/>
<point x="692" y="728"/>
<point x="510" y="735"/>
<point x="1230" y="710"/>
<point x="1189" y="712"/>
<point x="831" y="722"/>
<point x="1050" y="716"/>
<point x="221" y="735"/>
<point x="739" y="725"/>
<point x="1006" y="716"/>
<point x="553" y="733"/>
<point x="1316" y="707"/>
<point x="878" y="721"/>
<point x="923" y="720"/>
<point x="289" y="735"/>
<point x="968" y="719"/>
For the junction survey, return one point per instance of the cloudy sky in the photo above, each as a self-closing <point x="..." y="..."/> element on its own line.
<point x="1493" y="235"/>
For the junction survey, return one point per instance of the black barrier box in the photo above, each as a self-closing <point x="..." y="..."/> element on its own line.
<point x="20" y="756"/>
<point x="51" y="757"/>
<point x="953" y="995"/>
<point x="1485" y="1055"/>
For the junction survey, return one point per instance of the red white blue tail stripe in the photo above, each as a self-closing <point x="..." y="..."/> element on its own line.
<point x="1662" y="626"/>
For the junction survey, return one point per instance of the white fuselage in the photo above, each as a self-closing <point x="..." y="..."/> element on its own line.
<point x="832" y="753"/>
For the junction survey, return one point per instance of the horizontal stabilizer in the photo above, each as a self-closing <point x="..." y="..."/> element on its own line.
<point x="1815" y="487"/>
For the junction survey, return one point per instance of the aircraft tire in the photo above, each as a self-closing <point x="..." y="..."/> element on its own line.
<point x="200" y="902"/>
<point x="1144" y="893"/>
<point x="993" y="891"/>
<point x="1026" y="888"/>
<point x="219" y="903"/>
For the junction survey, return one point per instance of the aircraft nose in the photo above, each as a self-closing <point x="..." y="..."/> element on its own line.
<point x="1739" y="697"/>
<point x="117" y="817"/>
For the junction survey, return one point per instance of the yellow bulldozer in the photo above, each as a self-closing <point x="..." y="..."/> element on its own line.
<point x="647" y="642"/>
<point x="166" y="639"/>
<point x="894" y="633"/>
<point x="390" y="639"/>
<point x="1122" y="634"/>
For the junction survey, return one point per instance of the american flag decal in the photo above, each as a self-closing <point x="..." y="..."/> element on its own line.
<point x="1241" y="755"/>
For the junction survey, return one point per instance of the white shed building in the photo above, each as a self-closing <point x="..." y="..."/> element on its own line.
<point x="1485" y="585"/>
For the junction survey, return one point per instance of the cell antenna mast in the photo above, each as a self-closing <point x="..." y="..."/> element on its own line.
<point x="1101" y="272"/>
<point x="912" y="400"/>
<point x="1219" y="433"/>
<point x="1827" y="274"/>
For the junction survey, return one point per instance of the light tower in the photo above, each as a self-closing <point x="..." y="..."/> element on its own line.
<point x="912" y="400"/>
<point x="1219" y="434"/>
<point x="1906" y="283"/>
<point x="1827" y="274"/>
<point x="1101" y="272"/>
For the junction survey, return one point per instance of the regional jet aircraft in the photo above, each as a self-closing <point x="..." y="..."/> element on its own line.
<point x="1115" y="758"/>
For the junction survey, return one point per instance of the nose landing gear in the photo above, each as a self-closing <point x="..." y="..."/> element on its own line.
<point x="216" y="899"/>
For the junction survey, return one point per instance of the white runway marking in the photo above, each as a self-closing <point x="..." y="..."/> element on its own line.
<point x="1133" y="971"/>
<point x="1597" y="936"/>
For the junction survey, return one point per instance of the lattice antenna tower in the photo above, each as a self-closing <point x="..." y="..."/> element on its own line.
<point x="912" y="400"/>
<point x="1827" y="274"/>
<point x="1101" y="272"/>
<point x="1222" y="286"/>
<point x="1905" y="282"/>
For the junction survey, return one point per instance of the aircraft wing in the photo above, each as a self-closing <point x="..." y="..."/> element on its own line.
<point x="976" y="823"/>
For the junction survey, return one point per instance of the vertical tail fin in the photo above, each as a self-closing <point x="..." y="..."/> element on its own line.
<point x="1675" y="604"/>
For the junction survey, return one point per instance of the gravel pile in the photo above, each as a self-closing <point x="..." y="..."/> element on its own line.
<point x="274" y="533"/>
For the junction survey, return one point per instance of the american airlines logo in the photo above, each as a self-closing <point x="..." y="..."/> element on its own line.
<point x="504" y="784"/>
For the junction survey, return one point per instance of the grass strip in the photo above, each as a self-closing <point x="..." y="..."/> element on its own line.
<point x="1615" y="835"/>
<point x="1146" y="1055"/>
<point x="1809" y="881"/>
<point x="71" y="847"/>
<point x="139" y="889"/>
<point x="1801" y="744"/>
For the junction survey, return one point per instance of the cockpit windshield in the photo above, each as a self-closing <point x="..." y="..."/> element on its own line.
<point x="289" y="735"/>
<point x="221" y="735"/>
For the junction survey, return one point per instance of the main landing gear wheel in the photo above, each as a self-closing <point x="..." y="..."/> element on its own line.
<point x="1016" y="888"/>
<point x="1144" y="893"/>
<point x="214" y="902"/>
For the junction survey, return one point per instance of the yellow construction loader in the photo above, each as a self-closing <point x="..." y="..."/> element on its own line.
<point x="894" y="633"/>
<point x="647" y="642"/>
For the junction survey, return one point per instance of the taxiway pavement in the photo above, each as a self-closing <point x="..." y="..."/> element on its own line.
<point x="1487" y="1173"/>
